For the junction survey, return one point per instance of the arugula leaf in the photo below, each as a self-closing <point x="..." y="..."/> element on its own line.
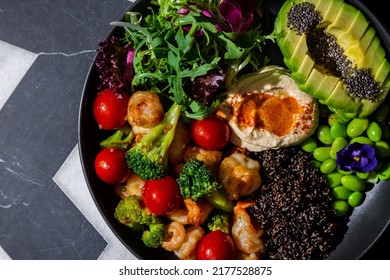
<point x="172" y="50"/>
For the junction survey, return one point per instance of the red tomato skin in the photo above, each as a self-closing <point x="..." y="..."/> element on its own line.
<point x="161" y="196"/>
<point x="216" y="245"/>
<point x="110" y="109"/>
<point x="111" y="166"/>
<point x="211" y="133"/>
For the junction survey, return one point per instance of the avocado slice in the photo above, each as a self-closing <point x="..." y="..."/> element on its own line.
<point x="357" y="49"/>
<point x="332" y="11"/>
<point x="339" y="100"/>
<point x="345" y="16"/>
<point x="302" y="74"/>
<point x="325" y="54"/>
<point x="355" y="32"/>
<point x="374" y="56"/>
<point x="319" y="84"/>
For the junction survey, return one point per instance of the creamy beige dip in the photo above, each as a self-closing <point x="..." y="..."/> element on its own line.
<point x="266" y="110"/>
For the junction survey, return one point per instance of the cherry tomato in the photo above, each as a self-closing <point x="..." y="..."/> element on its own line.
<point x="161" y="196"/>
<point x="110" y="109"/>
<point x="111" y="166"/>
<point x="216" y="245"/>
<point x="211" y="133"/>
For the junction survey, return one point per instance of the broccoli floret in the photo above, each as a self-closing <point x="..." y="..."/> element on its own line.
<point x="132" y="212"/>
<point x="148" y="158"/>
<point x="196" y="181"/>
<point x="154" y="236"/>
<point x="219" y="220"/>
<point x="122" y="138"/>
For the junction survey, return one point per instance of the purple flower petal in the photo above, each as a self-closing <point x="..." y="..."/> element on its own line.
<point x="239" y="15"/>
<point x="356" y="157"/>
<point x="207" y="14"/>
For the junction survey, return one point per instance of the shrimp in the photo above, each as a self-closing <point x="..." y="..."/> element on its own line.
<point x="195" y="212"/>
<point x="180" y="141"/>
<point x="210" y="158"/>
<point x="144" y="110"/>
<point x="246" y="236"/>
<point x="132" y="186"/>
<point x="187" y="250"/>
<point x="176" y="234"/>
<point x="239" y="175"/>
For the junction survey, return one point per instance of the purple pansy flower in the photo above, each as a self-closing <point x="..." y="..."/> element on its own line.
<point x="357" y="157"/>
<point x="238" y="13"/>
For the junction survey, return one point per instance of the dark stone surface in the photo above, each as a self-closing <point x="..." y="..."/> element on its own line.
<point x="38" y="126"/>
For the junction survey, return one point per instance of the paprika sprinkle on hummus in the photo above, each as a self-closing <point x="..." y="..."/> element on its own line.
<point x="267" y="110"/>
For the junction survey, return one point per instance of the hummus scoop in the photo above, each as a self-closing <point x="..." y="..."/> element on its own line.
<point x="266" y="110"/>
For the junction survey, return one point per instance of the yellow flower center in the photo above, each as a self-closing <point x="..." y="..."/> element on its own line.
<point x="356" y="158"/>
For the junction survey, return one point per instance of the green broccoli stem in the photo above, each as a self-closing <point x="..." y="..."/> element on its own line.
<point x="122" y="138"/>
<point x="219" y="200"/>
<point x="167" y="127"/>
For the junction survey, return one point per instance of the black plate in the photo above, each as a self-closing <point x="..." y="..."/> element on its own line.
<point x="367" y="222"/>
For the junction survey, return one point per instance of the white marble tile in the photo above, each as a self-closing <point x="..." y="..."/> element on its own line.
<point x="71" y="180"/>
<point x="14" y="63"/>
<point x="4" y="255"/>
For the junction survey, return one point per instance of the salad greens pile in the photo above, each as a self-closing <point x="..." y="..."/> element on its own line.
<point x="192" y="51"/>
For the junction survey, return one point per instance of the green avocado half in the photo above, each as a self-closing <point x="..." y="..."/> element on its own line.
<point x="334" y="54"/>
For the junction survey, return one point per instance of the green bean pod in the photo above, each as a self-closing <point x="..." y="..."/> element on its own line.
<point x="382" y="149"/>
<point x="374" y="132"/>
<point x="338" y="144"/>
<point x="353" y="183"/>
<point x="384" y="172"/>
<point x="322" y="153"/>
<point x="334" y="179"/>
<point x="341" y="193"/>
<point x="341" y="207"/>
<point x="356" y="127"/>
<point x="324" y="135"/>
<point x="355" y="199"/>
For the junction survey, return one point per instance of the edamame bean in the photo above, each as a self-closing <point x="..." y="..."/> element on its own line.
<point x="338" y="144"/>
<point x="384" y="172"/>
<point x="362" y="140"/>
<point x="338" y="130"/>
<point x="334" y="118"/>
<point x="362" y="175"/>
<point x="341" y="193"/>
<point x="322" y="153"/>
<point x="379" y="164"/>
<point x="324" y="135"/>
<point x="343" y="171"/>
<point x="334" y="179"/>
<point x="372" y="177"/>
<point x="356" y="127"/>
<point x="355" y="199"/>
<point x="309" y="145"/>
<point x="382" y="149"/>
<point x="353" y="183"/>
<point x="381" y="112"/>
<point x="316" y="164"/>
<point x="341" y="207"/>
<point x="328" y="166"/>
<point x="374" y="131"/>
<point x="385" y="130"/>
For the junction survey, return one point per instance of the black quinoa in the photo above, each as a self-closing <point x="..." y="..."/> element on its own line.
<point x="294" y="207"/>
